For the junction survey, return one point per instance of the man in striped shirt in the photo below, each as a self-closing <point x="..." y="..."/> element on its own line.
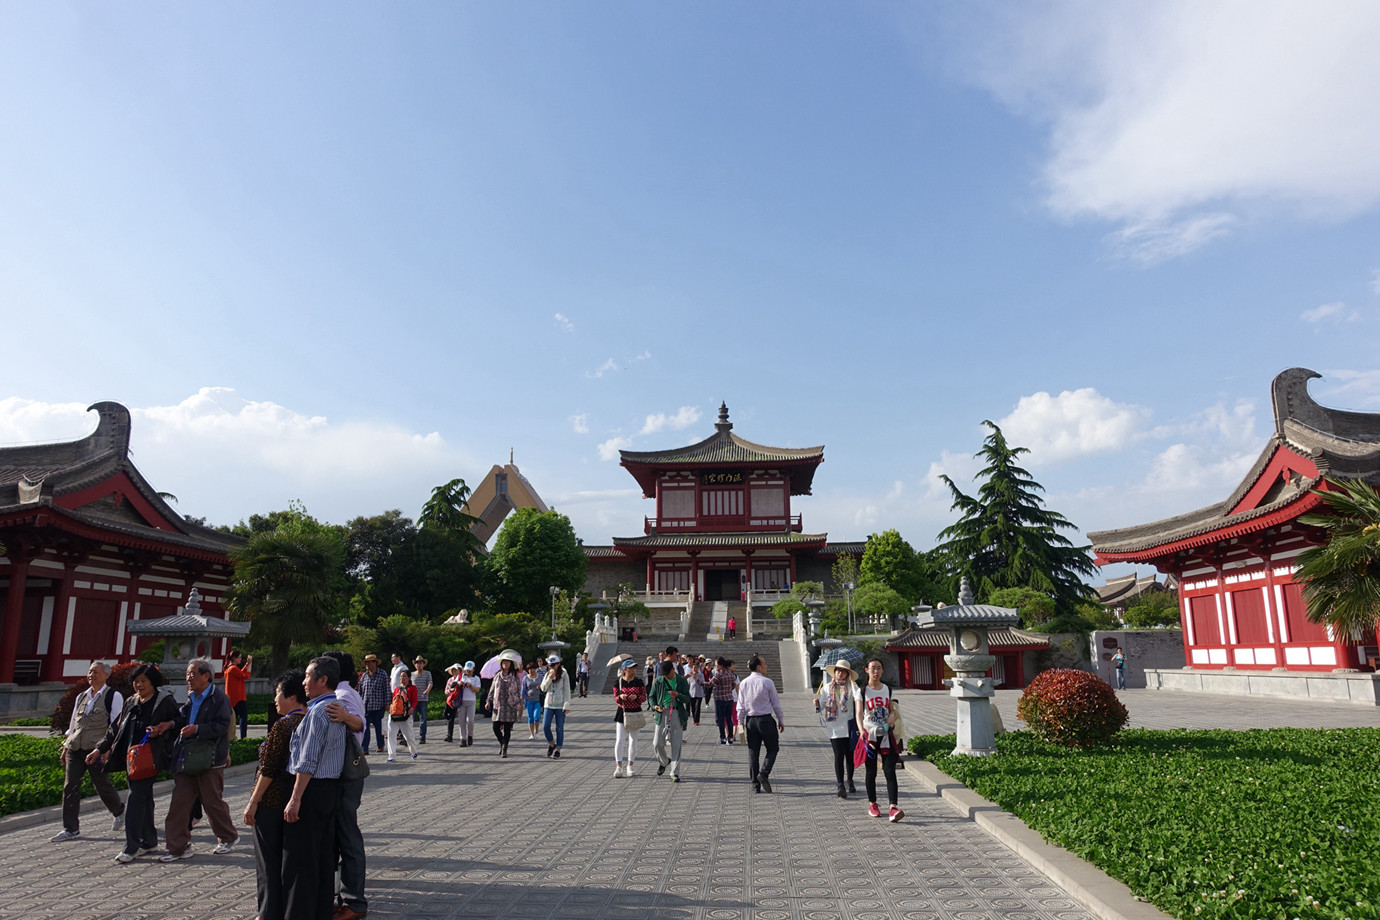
<point x="722" y="683"/>
<point x="316" y="755"/>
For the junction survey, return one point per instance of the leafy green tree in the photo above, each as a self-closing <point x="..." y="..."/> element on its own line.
<point x="844" y="571"/>
<point x="1006" y="538"/>
<point x="874" y="599"/>
<point x="290" y="584"/>
<point x="1097" y="615"/>
<point x="445" y="510"/>
<point x="1341" y="578"/>
<point x="532" y="552"/>
<point x="801" y="592"/>
<point x="1153" y="610"/>
<point x="889" y="560"/>
<point x="1035" y="607"/>
<point x="371" y="543"/>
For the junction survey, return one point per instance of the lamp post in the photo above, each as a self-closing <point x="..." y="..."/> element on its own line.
<point x="554" y="592"/>
<point x="848" y="597"/>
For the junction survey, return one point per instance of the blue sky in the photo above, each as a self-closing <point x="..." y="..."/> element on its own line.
<point x="344" y="252"/>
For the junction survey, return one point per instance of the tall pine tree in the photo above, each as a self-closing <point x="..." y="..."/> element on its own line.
<point x="1006" y="538"/>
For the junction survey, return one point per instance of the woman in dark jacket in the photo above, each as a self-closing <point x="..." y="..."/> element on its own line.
<point x="272" y="789"/>
<point x="151" y="703"/>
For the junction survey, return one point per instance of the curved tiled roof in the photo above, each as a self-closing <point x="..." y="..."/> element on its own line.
<point x="769" y="538"/>
<point x="1004" y="638"/>
<point x="1338" y="444"/>
<point x="188" y="624"/>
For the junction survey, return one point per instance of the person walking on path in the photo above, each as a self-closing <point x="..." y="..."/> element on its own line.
<point x="200" y="755"/>
<point x="316" y="756"/>
<point x="694" y="678"/>
<point x="149" y="705"/>
<point x="272" y="787"/>
<point x="95" y="710"/>
<point x="395" y="675"/>
<point x="400" y="716"/>
<point x="531" y="698"/>
<point x="876" y="715"/>
<point x="1119" y="668"/>
<point x="505" y="701"/>
<point x="237" y="671"/>
<point x="837" y="705"/>
<point x="629" y="693"/>
<point x="759" y="711"/>
<point x="670" y="701"/>
<point x="421" y="679"/>
<point x="732" y="628"/>
<point x="555" y="703"/>
<point x="461" y="691"/>
<point x="375" y="691"/>
<point x="348" y="708"/>
<point x="582" y="675"/>
<point x="724" y="682"/>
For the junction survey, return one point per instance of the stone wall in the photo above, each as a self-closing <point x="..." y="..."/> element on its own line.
<point x="814" y="569"/>
<point x="607" y="574"/>
<point x="1066" y="650"/>
<point x="1143" y="648"/>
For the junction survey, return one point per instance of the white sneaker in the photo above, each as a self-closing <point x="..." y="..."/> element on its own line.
<point x="617" y="774"/>
<point x="119" y="823"/>
<point x="123" y="857"/>
<point x="64" y="834"/>
<point x="144" y="851"/>
<point x="630" y="772"/>
<point x="174" y="857"/>
<point x="223" y="847"/>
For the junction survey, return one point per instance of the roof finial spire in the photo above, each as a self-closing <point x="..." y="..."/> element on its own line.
<point x="965" y="592"/>
<point x="510" y="456"/>
<point x="723" y="425"/>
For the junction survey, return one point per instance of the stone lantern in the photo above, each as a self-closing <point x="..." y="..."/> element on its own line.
<point x="187" y="636"/>
<point x="967" y="625"/>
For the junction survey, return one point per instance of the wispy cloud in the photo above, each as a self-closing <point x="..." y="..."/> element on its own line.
<point x="684" y="417"/>
<point x="608" y="450"/>
<point x="1330" y="311"/>
<point x="1375" y="281"/>
<point x="564" y="324"/>
<point x="1179" y="120"/>
<point x="580" y="423"/>
<point x="607" y="367"/>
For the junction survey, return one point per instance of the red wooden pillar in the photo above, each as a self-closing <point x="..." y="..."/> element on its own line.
<point x="14" y="610"/>
<point x="53" y="663"/>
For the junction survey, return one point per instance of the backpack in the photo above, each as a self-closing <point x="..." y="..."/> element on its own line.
<point x="400" y="709"/>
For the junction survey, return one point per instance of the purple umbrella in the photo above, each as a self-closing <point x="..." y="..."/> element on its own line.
<point x="492" y="665"/>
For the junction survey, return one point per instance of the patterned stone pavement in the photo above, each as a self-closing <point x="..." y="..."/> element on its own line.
<point x="461" y="834"/>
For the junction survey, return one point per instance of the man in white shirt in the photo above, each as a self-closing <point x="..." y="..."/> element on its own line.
<point x="96" y="708"/>
<point x="395" y="676"/>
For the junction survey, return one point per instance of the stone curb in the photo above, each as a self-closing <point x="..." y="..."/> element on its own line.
<point x="1102" y="895"/>
<point x="91" y="804"/>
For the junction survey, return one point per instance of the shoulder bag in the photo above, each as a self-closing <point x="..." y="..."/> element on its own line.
<point x="139" y="762"/>
<point x="632" y="721"/>
<point x="356" y="765"/>
<point x="198" y="756"/>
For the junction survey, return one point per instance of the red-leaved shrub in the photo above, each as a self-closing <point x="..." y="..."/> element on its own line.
<point x="1071" y="707"/>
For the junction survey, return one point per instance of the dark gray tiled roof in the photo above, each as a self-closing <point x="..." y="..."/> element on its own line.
<point x="188" y="624"/>
<point x="928" y="637"/>
<point x="771" y="538"/>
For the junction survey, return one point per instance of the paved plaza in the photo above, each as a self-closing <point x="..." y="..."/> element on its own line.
<point x="462" y="834"/>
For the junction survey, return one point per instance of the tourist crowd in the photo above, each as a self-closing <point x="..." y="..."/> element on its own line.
<point x="303" y="808"/>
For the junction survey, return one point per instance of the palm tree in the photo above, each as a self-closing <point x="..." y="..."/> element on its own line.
<point x="288" y="583"/>
<point x="1341" y="578"/>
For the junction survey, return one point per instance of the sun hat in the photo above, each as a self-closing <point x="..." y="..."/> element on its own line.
<point x="453" y="668"/>
<point x="419" y="658"/>
<point x="845" y="666"/>
<point x="371" y="657"/>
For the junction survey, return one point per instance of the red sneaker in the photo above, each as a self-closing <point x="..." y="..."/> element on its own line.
<point x="896" y="814"/>
<point x="873" y="810"/>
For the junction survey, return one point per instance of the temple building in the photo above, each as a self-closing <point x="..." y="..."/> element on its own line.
<point x="1234" y="561"/>
<point x="724" y="526"/>
<point x="89" y="546"/>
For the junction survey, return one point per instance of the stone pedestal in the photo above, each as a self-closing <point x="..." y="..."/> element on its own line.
<point x="973" y="691"/>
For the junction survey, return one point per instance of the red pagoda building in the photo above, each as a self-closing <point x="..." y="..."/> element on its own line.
<point x="724" y="525"/>
<point x="89" y="547"/>
<point x="1240" y="606"/>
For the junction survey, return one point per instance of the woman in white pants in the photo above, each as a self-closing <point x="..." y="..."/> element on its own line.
<point x="404" y="725"/>
<point x="629" y="693"/>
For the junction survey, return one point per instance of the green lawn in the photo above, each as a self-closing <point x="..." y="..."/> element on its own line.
<point x="31" y="775"/>
<point x="1278" y="823"/>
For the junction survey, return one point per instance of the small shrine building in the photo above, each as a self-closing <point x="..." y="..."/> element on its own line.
<point x="1240" y="605"/>
<point x="724" y="526"/>
<point x="89" y="548"/>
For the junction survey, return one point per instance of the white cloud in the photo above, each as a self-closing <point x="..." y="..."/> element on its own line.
<point x="580" y="423"/>
<point x="1074" y="423"/>
<point x="607" y="367"/>
<point x="1375" y="281"/>
<point x="685" y="417"/>
<point x="1335" y="310"/>
<point x="225" y="456"/>
<point x="645" y="356"/>
<point x="1362" y="388"/>
<point x="1179" y="119"/>
<point x="608" y="450"/>
<point x="961" y="468"/>
<point x="564" y="324"/>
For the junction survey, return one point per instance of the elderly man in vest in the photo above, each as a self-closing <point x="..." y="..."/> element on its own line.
<point x="96" y="708"/>
<point x="199" y="758"/>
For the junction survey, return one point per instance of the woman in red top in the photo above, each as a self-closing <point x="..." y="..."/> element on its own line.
<point x="400" y="713"/>
<point x="237" y="669"/>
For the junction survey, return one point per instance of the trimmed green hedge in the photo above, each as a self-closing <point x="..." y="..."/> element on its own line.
<point x="1278" y="823"/>
<point x="31" y="775"/>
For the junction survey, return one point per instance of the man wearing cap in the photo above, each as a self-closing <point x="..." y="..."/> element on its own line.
<point x="556" y="703"/>
<point x="374" y="690"/>
<point x="670" y="700"/>
<point x="421" y="679"/>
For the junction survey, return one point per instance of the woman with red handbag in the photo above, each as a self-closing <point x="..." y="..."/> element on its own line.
<point x="152" y="704"/>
